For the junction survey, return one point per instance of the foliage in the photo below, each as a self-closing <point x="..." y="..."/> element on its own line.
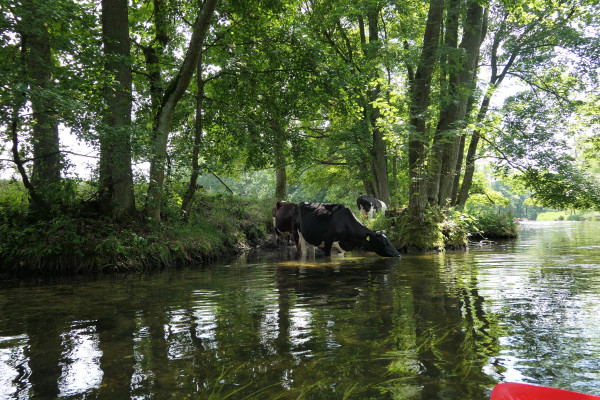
<point x="495" y="224"/>
<point x="457" y="228"/>
<point x="218" y="225"/>
<point x="449" y="230"/>
<point x="418" y="232"/>
<point x="566" y="187"/>
<point x="304" y="86"/>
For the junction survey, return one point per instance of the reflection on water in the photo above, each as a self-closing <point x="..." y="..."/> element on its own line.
<point x="428" y="326"/>
<point x="80" y="360"/>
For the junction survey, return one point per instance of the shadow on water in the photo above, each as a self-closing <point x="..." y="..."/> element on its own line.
<point x="266" y="326"/>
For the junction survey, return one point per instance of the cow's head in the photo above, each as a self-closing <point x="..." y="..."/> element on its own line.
<point x="381" y="245"/>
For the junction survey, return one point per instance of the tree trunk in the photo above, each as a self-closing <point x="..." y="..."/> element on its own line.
<point x="163" y="119"/>
<point x="366" y="179"/>
<point x="116" y="177"/>
<point x="379" y="171"/>
<point x="153" y="53"/>
<point x="463" y="194"/>
<point x="47" y="161"/>
<point x="186" y="203"/>
<point x="451" y="123"/>
<point x="279" y="161"/>
<point x="473" y="36"/>
<point x="447" y="93"/>
<point x="419" y="101"/>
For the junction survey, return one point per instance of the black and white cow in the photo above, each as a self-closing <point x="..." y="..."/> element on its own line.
<point x="282" y="220"/>
<point x="321" y="224"/>
<point x="368" y="205"/>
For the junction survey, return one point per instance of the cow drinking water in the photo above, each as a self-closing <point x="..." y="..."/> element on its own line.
<point x="282" y="220"/>
<point x="321" y="224"/>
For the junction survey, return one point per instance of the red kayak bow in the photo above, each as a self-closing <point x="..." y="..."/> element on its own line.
<point x="521" y="391"/>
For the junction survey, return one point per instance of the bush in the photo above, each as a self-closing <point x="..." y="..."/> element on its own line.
<point x="417" y="233"/>
<point x="493" y="224"/>
<point x="444" y="230"/>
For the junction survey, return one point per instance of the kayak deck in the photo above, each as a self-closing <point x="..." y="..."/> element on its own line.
<point x="522" y="391"/>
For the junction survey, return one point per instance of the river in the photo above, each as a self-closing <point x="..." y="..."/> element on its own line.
<point x="266" y="326"/>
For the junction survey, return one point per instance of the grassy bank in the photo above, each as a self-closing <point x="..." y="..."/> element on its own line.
<point x="218" y="225"/>
<point x="569" y="216"/>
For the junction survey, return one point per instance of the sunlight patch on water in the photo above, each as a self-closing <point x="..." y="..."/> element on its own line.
<point x="14" y="367"/>
<point x="81" y="360"/>
<point x="300" y="331"/>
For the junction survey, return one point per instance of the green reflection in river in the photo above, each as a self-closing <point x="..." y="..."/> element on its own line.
<point x="433" y="326"/>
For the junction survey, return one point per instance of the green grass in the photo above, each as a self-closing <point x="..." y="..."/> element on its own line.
<point x="569" y="216"/>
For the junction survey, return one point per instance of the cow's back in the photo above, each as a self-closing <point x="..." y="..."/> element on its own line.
<point x="314" y="221"/>
<point x="327" y="222"/>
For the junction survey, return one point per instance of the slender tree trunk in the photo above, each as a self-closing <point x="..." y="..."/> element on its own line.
<point x="279" y="160"/>
<point x="366" y="179"/>
<point x="495" y="81"/>
<point x="116" y="177"/>
<point x="162" y="125"/>
<point x="471" y="43"/>
<point x="447" y="92"/>
<point x="186" y="203"/>
<point x="47" y="161"/>
<point x="419" y="101"/>
<point x="463" y="139"/>
<point x="465" y="187"/>
<point x="153" y="53"/>
<point x="39" y="201"/>
<point x="451" y="123"/>
<point x="379" y="171"/>
<point x="459" y="162"/>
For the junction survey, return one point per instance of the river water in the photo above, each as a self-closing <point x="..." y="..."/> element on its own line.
<point x="266" y="326"/>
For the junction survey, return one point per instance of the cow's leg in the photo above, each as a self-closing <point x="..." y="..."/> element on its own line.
<point x="296" y="236"/>
<point x="302" y="245"/>
<point x="327" y="248"/>
<point x="275" y="231"/>
<point x="337" y="246"/>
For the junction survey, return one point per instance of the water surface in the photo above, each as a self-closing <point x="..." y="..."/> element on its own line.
<point x="265" y="326"/>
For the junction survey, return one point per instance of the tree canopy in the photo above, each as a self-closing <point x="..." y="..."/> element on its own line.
<point x="400" y="99"/>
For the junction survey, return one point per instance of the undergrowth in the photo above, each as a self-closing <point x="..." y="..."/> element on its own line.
<point x="217" y="225"/>
<point x="438" y="230"/>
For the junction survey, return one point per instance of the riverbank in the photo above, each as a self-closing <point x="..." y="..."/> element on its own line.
<point x="218" y="226"/>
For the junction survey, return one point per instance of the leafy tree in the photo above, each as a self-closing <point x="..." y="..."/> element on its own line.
<point x="420" y="82"/>
<point x="42" y="52"/>
<point x="116" y="178"/>
<point x="164" y="115"/>
<point x="531" y="42"/>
